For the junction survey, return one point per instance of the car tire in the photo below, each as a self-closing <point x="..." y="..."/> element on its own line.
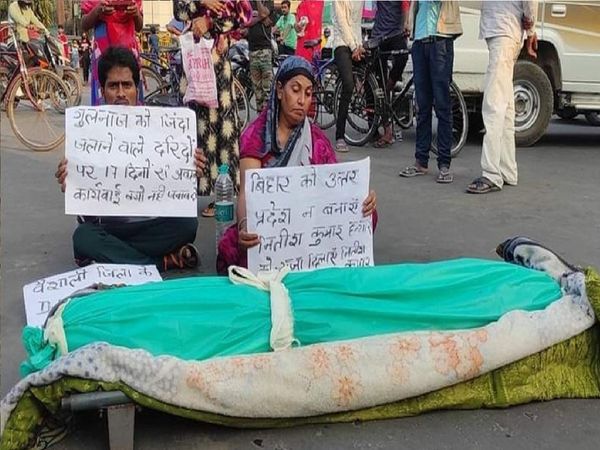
<point x="593" y="118"/>
<point x="568" y="113"/>
<point x="533" y="103"/>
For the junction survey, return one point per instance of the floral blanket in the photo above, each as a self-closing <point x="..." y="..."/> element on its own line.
<point x="328" y="379"/>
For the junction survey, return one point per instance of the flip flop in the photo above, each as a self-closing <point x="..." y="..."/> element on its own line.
<point x="482" y="185"/>
<point x="209" y="211"/>
<point x="382" y="143"/>
<point x="412" y="171"/>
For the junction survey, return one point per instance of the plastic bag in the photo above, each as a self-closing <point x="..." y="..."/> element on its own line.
<point x="199" y="71"/>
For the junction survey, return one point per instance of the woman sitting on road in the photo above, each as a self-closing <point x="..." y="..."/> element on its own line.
<point x="280" y="136"/>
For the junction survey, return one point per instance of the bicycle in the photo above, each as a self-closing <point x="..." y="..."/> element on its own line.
<point x="169" y="89"/>
<point x="32" y="93"/>
<point x="162" y="84"/>
<point x="323" y="109"/>
<point x="371" y="101"/>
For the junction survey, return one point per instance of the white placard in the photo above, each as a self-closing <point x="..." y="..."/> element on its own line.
<point x="309" y="217"/>
<point x="130" y="161"/>
<point x="41" y="296"/>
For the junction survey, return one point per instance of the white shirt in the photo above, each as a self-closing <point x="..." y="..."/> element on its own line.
<point x="347" y="19"/>
<point x="504" y="18"/>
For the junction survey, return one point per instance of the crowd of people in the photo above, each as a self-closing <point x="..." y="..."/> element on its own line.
<point x="279" y="135"/>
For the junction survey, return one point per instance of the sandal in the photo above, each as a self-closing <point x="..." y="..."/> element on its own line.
<point x="413" y="171"/>
<point x="187" y="257"/>
<point x="382" y="142"/>
<point x="482" y="185"/>
<point x="209" y="211"/>
<point x="444" y="176"/>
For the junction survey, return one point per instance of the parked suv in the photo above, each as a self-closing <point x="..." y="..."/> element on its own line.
<point x="564" y="79"/>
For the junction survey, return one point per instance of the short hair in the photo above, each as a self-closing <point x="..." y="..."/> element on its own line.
<point x="286" y="2"/>
<point x="60" y="27"/>
<point x="117" y="57"/>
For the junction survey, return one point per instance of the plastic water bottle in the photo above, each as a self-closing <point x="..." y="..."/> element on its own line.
<point x="224" y="210"/>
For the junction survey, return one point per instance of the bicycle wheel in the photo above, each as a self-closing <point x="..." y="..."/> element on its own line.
<point x="324" y="99"/>
<point x="74" y="83"/>
<point x="363" y="112"/>
<point x="39" y="122"/>
<point x="460" y="123"/>
<point x="152" y="82"/>
<point x="242" y="105"/>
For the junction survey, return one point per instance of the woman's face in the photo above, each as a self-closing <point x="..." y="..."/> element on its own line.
<point x="295" y="98"/>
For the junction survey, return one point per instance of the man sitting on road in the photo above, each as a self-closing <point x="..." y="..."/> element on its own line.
<point x="164" y="242"/>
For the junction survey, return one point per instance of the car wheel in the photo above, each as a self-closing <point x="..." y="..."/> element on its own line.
<point x="593" y="118"/>
<point x="568" y="113"/>
<point x="533" y="103"/>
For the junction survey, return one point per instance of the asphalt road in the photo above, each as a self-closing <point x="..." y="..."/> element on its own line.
<point x="556" y="202"/>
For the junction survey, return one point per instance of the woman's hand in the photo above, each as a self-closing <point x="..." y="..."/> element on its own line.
<point x="200" y="26"/>
<point x="369" y="204"/>
<point x="246" y="240"/>
<point x="200" y="162"/>
<point x="61" y="174"/>
<point x="216" y="6"/>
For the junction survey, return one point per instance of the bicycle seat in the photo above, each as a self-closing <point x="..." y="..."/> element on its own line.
<point x="312" y="43"/>
<point x="372" y="43"/>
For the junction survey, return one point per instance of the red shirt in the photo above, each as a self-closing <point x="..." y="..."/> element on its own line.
<point x="62" y="37"/>
<point x="313" y="11"/>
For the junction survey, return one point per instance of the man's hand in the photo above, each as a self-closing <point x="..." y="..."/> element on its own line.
<point x="105" y="8"/>
<point x="532" y="45"/>
<point x="358" y="53"/>
<point x="216" y="6"/>
<point x="132" y="9"/>
<point x="200" y="162"/>
<point x="61" y="174"/>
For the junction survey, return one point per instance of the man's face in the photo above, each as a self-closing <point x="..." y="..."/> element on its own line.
<point x="120" y="89"/>
<point x="285" y="9"/>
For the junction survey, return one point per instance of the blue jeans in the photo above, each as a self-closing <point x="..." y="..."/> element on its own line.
<point x="432" y="66"/>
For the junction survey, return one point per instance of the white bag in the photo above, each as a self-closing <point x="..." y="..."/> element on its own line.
<point x="199" y="71"/>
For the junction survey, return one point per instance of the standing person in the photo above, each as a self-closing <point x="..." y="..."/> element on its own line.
<point x="166" y="242"/>
<point x="286" y="25"/>
<point x="436" y="24"/>
<point x="153" y="42"/>
<point x="114" y="24"/>
<point x="75" y="55"/>
<point x="218" y="128"/>
<point x="261" y="51"/>
<point x="85" y="55"/>
<point x="21" y="14"/>
<point x="347" y="45"/>
<point x="62" y="37"/>
<point x="502" y="25"/>
<point x="389" y="29"/>
<point x="309" y="24"/>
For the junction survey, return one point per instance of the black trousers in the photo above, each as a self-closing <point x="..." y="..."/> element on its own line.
<point x="343" y="61"/>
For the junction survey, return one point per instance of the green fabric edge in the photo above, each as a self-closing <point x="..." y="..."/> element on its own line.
<point x="570" y="369"/>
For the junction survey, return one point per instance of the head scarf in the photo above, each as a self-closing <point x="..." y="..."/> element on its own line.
<point x="289" y="68"/>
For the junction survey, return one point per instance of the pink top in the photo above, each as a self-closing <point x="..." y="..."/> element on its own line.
<point x="252" y="143"/>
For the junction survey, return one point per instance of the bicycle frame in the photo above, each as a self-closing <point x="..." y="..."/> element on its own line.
<point x="20" y="68"/>
<point x="373" y="64"/>
<point x="174" y="76"/>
